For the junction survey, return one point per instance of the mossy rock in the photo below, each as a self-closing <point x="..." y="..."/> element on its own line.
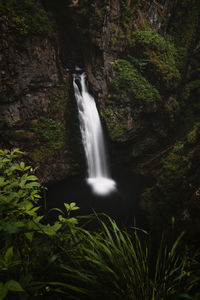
<point x="177" y="180"/>
<point x="160" y="55"/>
<point x="59" y="102"/>
<point x="172" y="108"/>
<point x="25" y="17"/>
<point x="49" y="134"/>
<point x="128" y="80"/>
<point x="116" y="120"/>
<point x="22" y="135"/>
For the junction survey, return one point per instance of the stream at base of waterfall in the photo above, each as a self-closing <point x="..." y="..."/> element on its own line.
<point x="93" y="140"/>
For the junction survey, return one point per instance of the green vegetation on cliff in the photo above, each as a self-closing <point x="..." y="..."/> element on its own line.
<point x="160" y="55"/>
<point x="176" y="190"/>
<point x="49" y="133"/>
<point x="27" y="17"/>
<point x="127" y="79"/>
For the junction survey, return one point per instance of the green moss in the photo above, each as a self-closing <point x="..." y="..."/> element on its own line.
<point x="183" y="28"/>
<point x="49" y="134"/>
<point x="127" y="79"/>
<point x="174" y="177"/>
<point x="59" y="101"/>
<point x="172" y="107"/>
<point x="191" y="87"/>
<point x="26" y="17"/>
<point x="118" y="131"/>
<point x="178" y="147"/>
<point x="120" y="33"/>
<point x="116" y="122"/>
<point x="160" y="54"/>
<point x="194" y="134"/>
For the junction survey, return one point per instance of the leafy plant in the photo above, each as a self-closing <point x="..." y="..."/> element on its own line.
<point x="43" y="261"/>
<point x="120" y="264"/>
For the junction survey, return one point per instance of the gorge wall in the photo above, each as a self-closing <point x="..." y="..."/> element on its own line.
<point x="142" y="61"/>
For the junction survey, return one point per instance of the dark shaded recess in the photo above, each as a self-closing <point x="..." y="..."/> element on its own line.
<point x="70" y="24"/>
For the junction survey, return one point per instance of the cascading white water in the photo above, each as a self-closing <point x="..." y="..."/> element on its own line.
<point x="93" y="141"/>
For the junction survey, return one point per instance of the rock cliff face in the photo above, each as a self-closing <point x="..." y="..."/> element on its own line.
<point x="133" y="72"/>
<point x="33" y="99"/>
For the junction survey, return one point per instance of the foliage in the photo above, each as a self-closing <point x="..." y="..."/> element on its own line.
<point x="184" y="33"/>
<point x="20" y="224"/>
<point x="193" y="135"/>
<point x="27" y="17"/>
<point x="49" y="133"/>
<point x="116" y="122"/>
<point x="118" y="263"/>
<point x="177" y="170"/>
<point x="16" y="190"/>
<point x="172" y="107"/>
<point x="160" y="54"/>
<point x="26" y="244"/>
<point x="128" y="79"/>
<point x="191" y="87"/>
<point x="39" y="261"/>
<point x="59" y="102"/>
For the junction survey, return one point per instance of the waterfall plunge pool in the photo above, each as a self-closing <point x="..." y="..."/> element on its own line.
<point x="122" y="203"/>
<point x="102" y="186"/>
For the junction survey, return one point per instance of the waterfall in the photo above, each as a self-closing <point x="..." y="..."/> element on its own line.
<point x="92" y="138"/>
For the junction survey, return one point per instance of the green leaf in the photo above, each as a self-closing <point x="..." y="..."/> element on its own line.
<point x="73" y="221"/>
<point x="3" y="291"/>
<point x="29" y="236"/>
<point x="32" y="178"/>
<point x="5" y="160"/>
<point x="8" y="256"/>
<point x="16" y="150"/>
<point x="75" y="208"/>
<point x="14" y="286"/>
<point x="67" y="206"/>
<point x="31" y="185"/>
<point x="50" y="230"/>
<point x="22" y="165"/>
<point x="3" y="182"/>
<point x="62" y="219"/>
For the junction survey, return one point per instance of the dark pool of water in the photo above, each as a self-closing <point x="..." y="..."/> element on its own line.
<point x="122" y="204"/>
